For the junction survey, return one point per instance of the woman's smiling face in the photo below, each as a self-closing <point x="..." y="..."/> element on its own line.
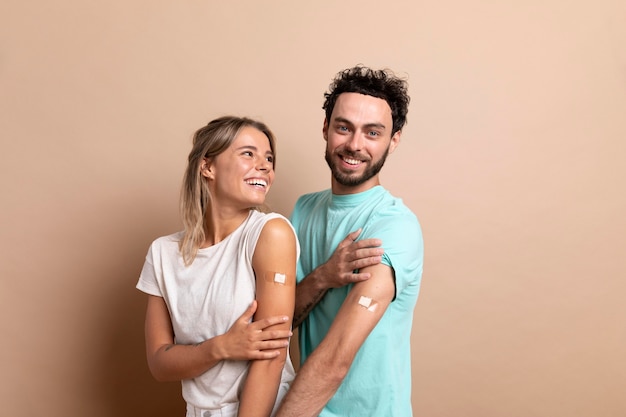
<point x="243" y="174"/>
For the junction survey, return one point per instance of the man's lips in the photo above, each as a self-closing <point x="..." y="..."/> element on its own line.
<point x="352" y="161"/>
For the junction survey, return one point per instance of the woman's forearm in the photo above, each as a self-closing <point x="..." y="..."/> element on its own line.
<point x="261" y="387"/>
<point x="177" y="362"/>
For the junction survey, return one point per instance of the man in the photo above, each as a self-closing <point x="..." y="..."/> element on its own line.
<point x="354" y="302"/>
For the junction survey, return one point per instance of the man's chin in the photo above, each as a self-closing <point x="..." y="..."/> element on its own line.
<point x="349" y="180"/>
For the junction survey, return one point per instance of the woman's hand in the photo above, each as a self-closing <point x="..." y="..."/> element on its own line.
<point x="247" y="340"/>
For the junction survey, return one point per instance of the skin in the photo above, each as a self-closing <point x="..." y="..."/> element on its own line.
<point x="350" y="255"/>
<point x="249" y="159"/>
<point x="239" y="178"/>
<point x="358" y="136"/>
<point x="261" y="385"/>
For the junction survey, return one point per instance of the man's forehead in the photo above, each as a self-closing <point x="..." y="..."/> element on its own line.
<point x="361" y="109"/>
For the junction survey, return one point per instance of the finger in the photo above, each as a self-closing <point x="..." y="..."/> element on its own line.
<point x="368" y="243"/>
<point x="264" y="354"/>
<point x="272" y="344"/>
<point x="361" y="263"/>
<point x="352" y="236"/>
<point x="361" y="276"/>
<point x="269" y="321"/>
<point x="249" y="313"/>
<point x="282" y="335"/>
<point x="367" y="253"/>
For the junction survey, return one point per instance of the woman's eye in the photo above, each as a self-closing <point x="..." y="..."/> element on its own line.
<point x="270" y="159"/>
<point x="247" y="153"/>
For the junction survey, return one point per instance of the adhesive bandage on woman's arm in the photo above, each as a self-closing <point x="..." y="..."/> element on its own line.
<point x="277" y="278"/>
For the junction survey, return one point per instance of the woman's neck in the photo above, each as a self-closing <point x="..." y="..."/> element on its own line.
<point x="218" y="224"/>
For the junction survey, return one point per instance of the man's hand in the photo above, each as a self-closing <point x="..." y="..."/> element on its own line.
<point x="250" y="341"/>
<point x="350" y="255"/>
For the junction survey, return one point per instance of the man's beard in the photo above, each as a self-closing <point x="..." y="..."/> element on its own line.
<point x="351" y="180"/>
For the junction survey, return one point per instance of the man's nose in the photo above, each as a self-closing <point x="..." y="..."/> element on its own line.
<point x="354" y="143"/>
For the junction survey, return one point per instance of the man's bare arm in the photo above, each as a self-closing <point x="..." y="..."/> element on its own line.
<point x="323" y="372"/>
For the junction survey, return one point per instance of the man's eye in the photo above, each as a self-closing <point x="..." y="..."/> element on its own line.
<point x="373" y="133"/>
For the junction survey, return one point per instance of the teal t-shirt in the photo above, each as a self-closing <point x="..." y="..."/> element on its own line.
<point x="379" y="380"/>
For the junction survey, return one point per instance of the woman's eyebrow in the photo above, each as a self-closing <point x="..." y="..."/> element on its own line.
<point x="255" y="149"/>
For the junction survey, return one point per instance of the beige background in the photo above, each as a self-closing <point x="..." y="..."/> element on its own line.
<point x="513" y="159"/>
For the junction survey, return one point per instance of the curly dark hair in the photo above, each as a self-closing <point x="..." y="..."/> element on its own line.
<point x="382" y="84"/>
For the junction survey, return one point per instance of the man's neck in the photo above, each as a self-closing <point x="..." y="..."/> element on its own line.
<point x="339" y="189"/>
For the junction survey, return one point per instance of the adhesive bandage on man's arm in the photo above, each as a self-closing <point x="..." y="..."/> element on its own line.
<point x="368" y="303"/>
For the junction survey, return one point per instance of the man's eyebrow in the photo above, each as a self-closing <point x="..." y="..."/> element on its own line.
<point x="343" y="120"/>
<point x="372" y="125"/>
<point x="375" y="126"/>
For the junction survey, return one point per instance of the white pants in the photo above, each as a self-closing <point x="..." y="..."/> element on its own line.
<point x="229" y="410"/>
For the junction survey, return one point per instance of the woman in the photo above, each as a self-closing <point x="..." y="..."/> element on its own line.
<point x="231" y="262"/>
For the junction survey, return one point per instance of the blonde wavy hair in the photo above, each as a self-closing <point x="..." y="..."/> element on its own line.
<point x="208" y="142"/>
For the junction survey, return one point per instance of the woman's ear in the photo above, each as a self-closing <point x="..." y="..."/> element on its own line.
<point x="206" y="168"/>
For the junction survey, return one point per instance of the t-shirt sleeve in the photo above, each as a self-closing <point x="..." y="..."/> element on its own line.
<point x="148" y="282"/>
<point x="403" y="243"/>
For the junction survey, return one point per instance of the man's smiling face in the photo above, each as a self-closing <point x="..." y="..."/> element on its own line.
<point x="358" y="140"/>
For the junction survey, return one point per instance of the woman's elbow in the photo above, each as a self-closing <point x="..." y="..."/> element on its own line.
<point x="158" y="374"/>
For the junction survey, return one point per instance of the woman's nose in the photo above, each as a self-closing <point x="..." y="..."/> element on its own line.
<point x="264" y="165"/>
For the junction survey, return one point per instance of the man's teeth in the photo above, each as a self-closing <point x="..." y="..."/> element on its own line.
<point x="352" y="161"/>
<point x="257" y="182"/>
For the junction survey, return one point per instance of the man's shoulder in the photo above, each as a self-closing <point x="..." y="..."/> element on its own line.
<point x="394" y="220"/>
<point x="311" y="198"/>
<point x="391" y="208"/>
